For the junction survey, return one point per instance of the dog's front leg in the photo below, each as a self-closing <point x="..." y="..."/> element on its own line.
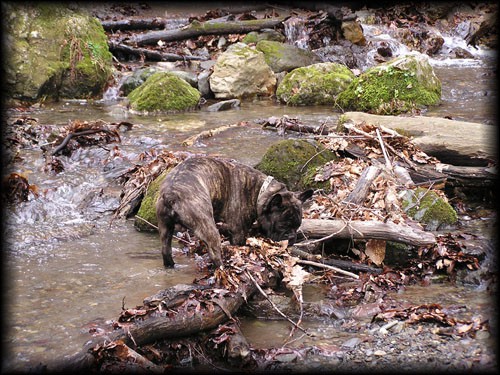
<point x="200" y="219"/>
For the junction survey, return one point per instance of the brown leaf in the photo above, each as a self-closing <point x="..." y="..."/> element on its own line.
<point x="375" y="250"/>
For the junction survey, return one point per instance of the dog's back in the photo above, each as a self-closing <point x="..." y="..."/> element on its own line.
<point x="203" y="191"/>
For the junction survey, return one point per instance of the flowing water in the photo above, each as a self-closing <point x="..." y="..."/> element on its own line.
<point x="69" y="269"/>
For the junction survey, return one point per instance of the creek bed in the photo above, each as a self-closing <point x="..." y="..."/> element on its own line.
<point x="69" y="269"/>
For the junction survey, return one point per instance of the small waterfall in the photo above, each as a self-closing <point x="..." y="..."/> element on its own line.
<point x="112" y="93"/>
<point x="296" y="32"/>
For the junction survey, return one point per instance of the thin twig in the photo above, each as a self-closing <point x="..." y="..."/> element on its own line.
<point x="77" y="134"/>
<point x="388" y="163"/>
<point x="273" y="305"/>
<point x="326" y="266"/>
<point x="311" y="158"/>
<point x="312" y="242"/>
<point x="180" y="239"/>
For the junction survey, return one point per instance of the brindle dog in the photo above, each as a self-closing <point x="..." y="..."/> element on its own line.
<point x="203" y="191"/>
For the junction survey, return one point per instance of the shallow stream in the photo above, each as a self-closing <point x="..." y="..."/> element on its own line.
<point x="69" y="268"/>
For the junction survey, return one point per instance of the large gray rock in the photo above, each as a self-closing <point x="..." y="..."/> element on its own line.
<point x="283" y="57"/>
<point x="53" y="52"/>
<point x="242" y="72"/>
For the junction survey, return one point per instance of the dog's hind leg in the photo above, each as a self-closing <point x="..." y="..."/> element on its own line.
<point x="166" y="227"/>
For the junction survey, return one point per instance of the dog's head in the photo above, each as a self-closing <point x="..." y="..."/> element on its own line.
<point x="281" y="216"/>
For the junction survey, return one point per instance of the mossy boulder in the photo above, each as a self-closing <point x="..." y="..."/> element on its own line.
<point x="137" y="78"/>
<point x="316" y="84"/>
<point x="428" y="208"/>
<point x="147" y="210"/>
<point x="163" y="92"/>
<point x="295" y="163"/>
<point x="400" y="85"/>
<point x="54" y="52"/>
<point x="283" y="57"/>
<point x="265" y="34"/>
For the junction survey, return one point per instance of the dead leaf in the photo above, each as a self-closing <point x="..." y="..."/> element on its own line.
<point x="375" y="250"/>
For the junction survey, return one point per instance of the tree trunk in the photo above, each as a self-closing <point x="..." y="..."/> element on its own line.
<point x="319" y="228"/>
<point x="196" y="29"/>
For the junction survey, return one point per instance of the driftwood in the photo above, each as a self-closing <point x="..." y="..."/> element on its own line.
<point x="359" y="193"/>
<point x="210" y="133"/>
<point x="134" y="24"/>
<point x="487" y="26"/>
<point x="285" y="123"/>
<point x="171" y="321"/>
<point x="452" y="142"/>
<point x="196" y="29"/>
<point x="152" y="55"/>
<point x="357" y="229"/>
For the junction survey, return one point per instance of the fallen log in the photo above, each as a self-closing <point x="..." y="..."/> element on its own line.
<point x="134" y="24"/>
<point x="452" y="142"/>
<point x="196" y="29"/>
<point x="344" y="264"/>
<point x="151" y="55"/>
<point x="357" y="229"/>
<point x="284" y="124"/>
<point x="182" y="311"/>
<point x="468" y="176"/>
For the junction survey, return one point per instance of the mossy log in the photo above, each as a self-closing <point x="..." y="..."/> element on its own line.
<point x="363" y="230"/>
<point x="196" y="29"/>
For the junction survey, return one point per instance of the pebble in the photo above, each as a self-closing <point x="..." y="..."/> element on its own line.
<point x="351" y="343"/>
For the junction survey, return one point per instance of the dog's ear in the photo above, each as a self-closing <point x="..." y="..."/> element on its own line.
<point x="275" y="201"/>
<point x="305" y="195"/>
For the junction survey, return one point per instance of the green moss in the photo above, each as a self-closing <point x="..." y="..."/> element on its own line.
<point x="268" y="34"/>
<point x="87" y="54"/>
<point x="429" y="208"/>
<point x="271" y="49"/>
<point x="392" y="88"/>
<point x="317" y="84"/>
<point x="294" y="162"/>
<point x="56" y="52"/>
<point x="285" y="57"/>
<point x="147" y="210"/>
<point x="340" y="128"/>
<point x="251" y="37"/>
<point x="164" y="92"/>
